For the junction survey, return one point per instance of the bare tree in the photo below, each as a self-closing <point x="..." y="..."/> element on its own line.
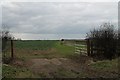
<point x="104" y="38"/>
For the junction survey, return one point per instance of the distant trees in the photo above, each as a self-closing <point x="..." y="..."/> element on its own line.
<point x="18" y="39"/>
<point x="104" y="40"/>
<point x="5" y="36"/>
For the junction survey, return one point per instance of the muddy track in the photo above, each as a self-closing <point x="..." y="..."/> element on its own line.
<point x="53" y="68"/>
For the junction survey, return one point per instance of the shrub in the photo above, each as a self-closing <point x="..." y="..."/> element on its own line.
<point x="104" y="40"/>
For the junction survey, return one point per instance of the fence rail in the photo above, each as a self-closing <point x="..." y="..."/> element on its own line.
<point x="80" y="49"/>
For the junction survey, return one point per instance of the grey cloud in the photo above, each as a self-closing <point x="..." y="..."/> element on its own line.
<point x="57" y="18"/>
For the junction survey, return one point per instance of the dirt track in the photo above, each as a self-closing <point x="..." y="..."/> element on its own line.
<point x="50" y="67"/>
<point x="64" y="68"/>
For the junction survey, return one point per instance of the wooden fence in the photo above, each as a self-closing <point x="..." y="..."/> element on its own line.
<point x="80" y="49"/>
<point x="94" y="49"/>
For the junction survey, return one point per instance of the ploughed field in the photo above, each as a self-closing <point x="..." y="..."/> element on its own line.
<point x="53" y="59"/>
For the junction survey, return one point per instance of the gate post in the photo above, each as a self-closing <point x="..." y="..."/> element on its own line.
<point x="12" y="54"/>
<point x="91" y="48"/>
<point x="88" y="47"/>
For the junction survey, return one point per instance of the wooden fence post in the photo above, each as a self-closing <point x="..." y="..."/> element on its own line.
<point x="88" y="47"/>
<point x="12" y="53"/>
<point x="92" y="49"/>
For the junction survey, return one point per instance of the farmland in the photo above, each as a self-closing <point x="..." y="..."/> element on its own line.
<point x="51" y="59"/>
<point x="41" y="49"/>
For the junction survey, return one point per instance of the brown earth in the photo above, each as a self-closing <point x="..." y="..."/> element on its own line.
<point x="49" y="67"/>
<point x="64" y="68"/>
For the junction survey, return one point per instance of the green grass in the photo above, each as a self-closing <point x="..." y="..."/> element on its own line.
<point x="35" y="44"/>
<point x="64" y="50"/>
<point x="106" y="65"/>
<point x="42" y="49"/>
<point x="16" y="72"/>
<point x="10" y="71"/>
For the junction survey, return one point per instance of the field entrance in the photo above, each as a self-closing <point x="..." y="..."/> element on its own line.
<point x="46" y="58"/>
<point x="50" y="59"/>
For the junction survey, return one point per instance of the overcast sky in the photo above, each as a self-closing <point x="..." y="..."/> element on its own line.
<point x="39" y="20"/>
